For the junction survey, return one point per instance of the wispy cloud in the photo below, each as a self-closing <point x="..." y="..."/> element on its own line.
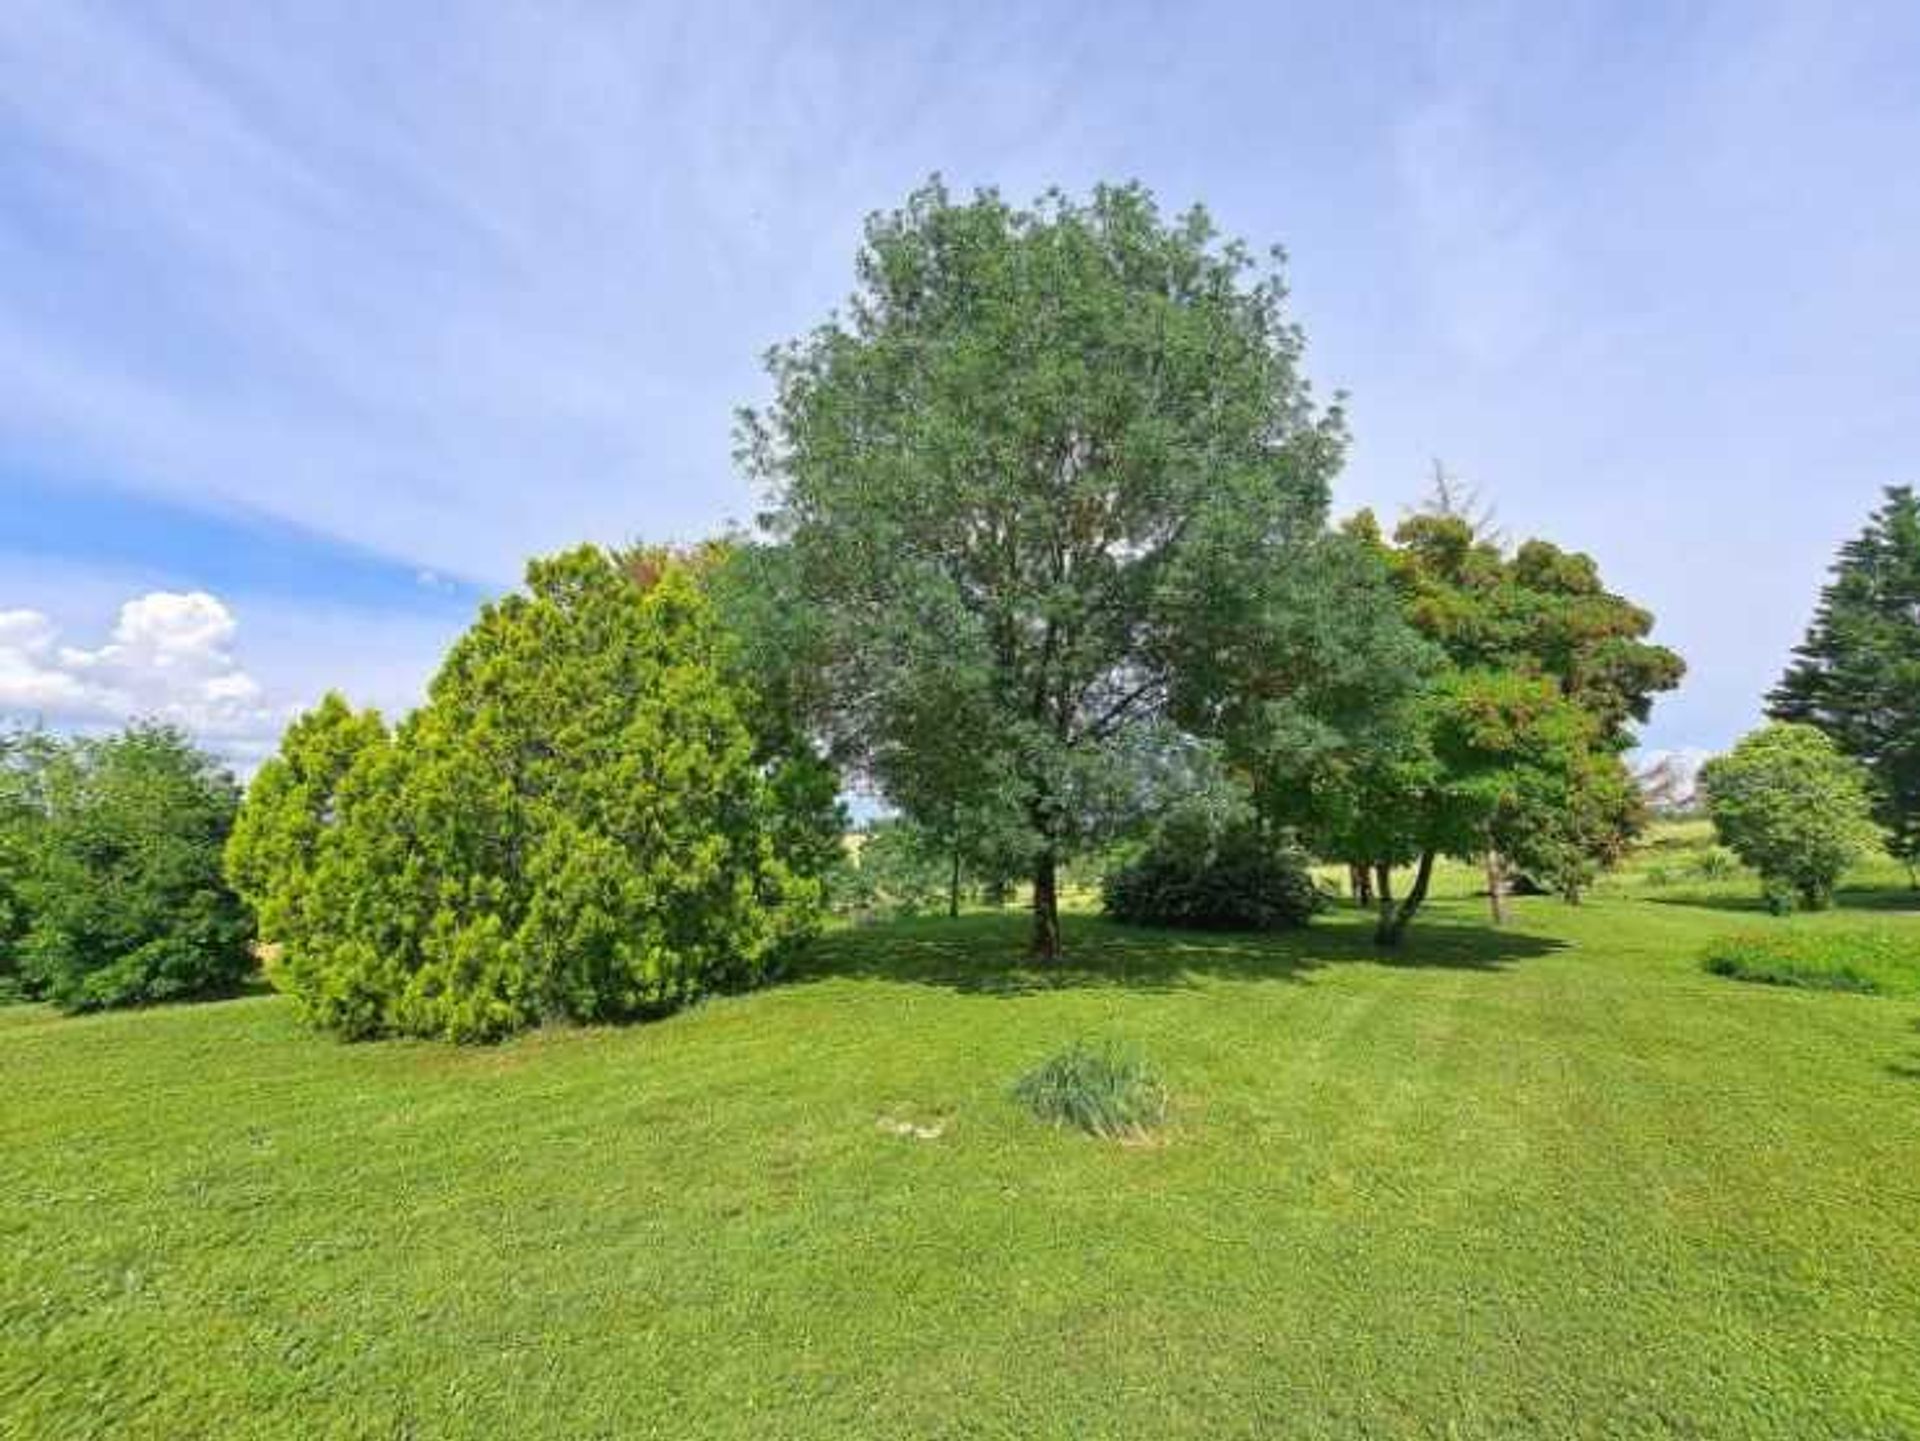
<point x="455" y="285"/>
<point x="457" y="292"/>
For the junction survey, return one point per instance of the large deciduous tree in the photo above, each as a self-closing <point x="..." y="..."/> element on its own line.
<point x="1857" y="674"/>
<point x="1022" y="481"/>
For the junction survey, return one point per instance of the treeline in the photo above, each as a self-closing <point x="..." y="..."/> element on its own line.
<point x="111" y="890"/>
<point x="1049" y="520"/>
<point x="1048" y="564"/>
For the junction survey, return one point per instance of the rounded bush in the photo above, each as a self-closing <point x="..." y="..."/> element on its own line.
<point x="1790" y="805"/>
<point x="1234" y="879"/>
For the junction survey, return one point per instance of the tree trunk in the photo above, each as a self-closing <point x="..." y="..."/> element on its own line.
<point x="1360" y="882"/>
<point x="1383" y="881"/>
<point x="1496" y="887"/>
<point x="1394" y="920"/>
<point x="1046" y="907"/>
<point x="953" y="886"/>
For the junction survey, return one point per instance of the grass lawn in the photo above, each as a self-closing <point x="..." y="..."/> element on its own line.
<point x="1554" y="1180"/>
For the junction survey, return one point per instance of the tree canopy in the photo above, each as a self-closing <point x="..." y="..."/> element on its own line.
<point x="1024" y="482"/>
<point x="1513" y="751"/>
<point x="1856" y="675"/>
<point x="1790" y="804"/>
<point x="114" y="847"/>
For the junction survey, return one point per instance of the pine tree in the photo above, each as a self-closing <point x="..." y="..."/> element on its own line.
<point x="1856" y="676"/>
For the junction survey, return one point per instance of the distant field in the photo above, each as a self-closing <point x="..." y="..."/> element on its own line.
<point x="1554" y="1180"/>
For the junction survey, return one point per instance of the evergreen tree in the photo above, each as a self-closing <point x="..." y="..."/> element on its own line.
<point x="1856" y="676"/>
<point x="578" y="824"/>
<point x="293" y="801"/>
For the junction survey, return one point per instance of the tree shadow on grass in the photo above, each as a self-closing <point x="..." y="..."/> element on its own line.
<point x="986" y="954"/>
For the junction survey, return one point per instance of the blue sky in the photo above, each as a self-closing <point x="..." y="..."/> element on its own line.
<point x="318" y="319"/>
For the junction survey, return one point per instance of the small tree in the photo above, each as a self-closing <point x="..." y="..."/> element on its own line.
<point x="125" y="899"/>
<point x="1513" y="755"/>
<point x="1789" y="804"/>
<point x="895" y="868"/>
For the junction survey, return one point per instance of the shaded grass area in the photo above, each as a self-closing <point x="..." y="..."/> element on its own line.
<point x="1553" y="1180"/>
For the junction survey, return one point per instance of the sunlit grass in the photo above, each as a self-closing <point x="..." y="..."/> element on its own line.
<point x="1551" y="1180"/>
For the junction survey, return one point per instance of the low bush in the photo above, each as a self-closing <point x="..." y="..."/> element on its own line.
<point x="1884" y="960"/>
<point x="1108" y="1091"/>
<point x="1233" y="879"/>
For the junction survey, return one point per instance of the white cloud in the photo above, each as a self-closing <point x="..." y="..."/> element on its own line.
<point x="169" y="656"/>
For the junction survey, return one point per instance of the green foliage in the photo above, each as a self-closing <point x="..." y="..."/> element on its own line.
<point x="1005" y="484"/>
<point x="1856" y="676"/>
<point x="894" y="868"/>
<point x="116" y="848"/>
<point x="1882" y="959"/>
<point x="578" y="824"/>
<point x="293" y="800"/>
<point x="1515" y="747"/>
<point x="22" y="755"/>
<point x="1790" y="805"/>
<point x="1109" y="1091"/>
<point x="1716" y="863"/>
<point x="1201" y="873"/>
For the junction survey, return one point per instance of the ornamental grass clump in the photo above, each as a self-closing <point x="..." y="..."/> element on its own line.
<point x="1109" y="1091"/>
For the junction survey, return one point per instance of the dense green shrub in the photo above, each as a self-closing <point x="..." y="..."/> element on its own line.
<point x="294" y="797"/>
<point x="1198" y="875"/>
<point x="578" y="824"/>
<point x="120" y="875"/>
<point x="1789" y="804"/>
<point x="21" y="756"/>
<point x="1884" y="959"/>
<point x="1108" y="1091"/>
